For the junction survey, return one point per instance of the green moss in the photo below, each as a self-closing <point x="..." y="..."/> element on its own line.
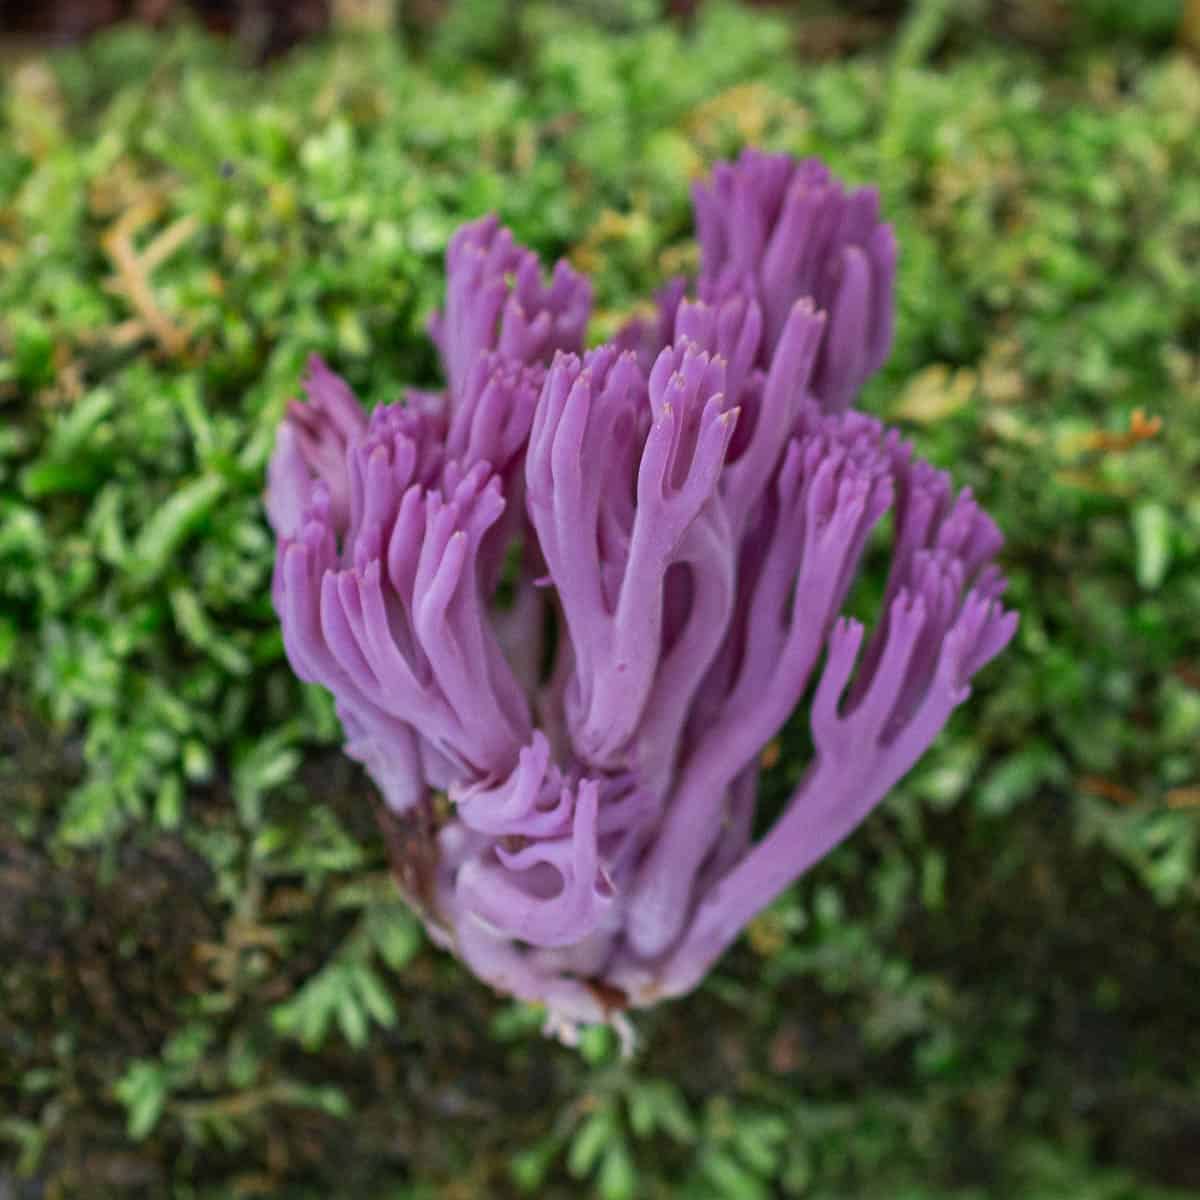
<point x="209" y="985"/>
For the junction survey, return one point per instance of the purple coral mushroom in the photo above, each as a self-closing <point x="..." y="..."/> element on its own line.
<point x="565" y="605"/>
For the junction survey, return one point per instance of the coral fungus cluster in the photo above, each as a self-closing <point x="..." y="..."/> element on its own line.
<point x="564" y="604"/>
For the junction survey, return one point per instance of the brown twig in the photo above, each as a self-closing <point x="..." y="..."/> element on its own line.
<point x="1141" y="429"/>
<point x="133" y="269"/>
<point x="1107" y="789"/>
<point x="1184" y="797"/>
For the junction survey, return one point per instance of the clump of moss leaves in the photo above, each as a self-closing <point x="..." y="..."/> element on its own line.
<point x="209" y="987"/>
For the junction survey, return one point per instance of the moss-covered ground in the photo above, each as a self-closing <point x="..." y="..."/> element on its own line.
<point x="208" y="985"/>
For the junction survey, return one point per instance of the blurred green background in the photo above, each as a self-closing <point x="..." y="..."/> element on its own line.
<point x="209" y="987"/>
